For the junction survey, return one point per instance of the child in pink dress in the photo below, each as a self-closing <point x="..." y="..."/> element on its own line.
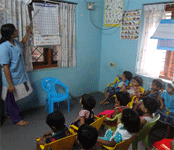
<point x="86" y="115"/>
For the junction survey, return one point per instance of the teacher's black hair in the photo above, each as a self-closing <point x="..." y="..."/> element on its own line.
<point x="7" y="31"/>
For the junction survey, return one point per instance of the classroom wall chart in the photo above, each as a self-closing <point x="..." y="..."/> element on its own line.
<point x="130" y="24"/>
<point x="46" y="40"/>
<point x="165" y="30"/>
<point x="46" y="33"/>
<point x="47" y="18"/>
<point x="113" y="13"/>
<point x="164" y="33"/>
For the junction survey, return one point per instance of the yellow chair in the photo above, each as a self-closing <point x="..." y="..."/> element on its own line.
<point x="65" y="143"/>
<point x="124" y="145"/>
<point x="113" y="122"/>
<point x="116" y="81"/>
<point x="97" y="123"/>
<point x="130" y="104"/>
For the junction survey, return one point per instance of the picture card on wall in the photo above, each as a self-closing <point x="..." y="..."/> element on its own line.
<point x="130" y="25"/>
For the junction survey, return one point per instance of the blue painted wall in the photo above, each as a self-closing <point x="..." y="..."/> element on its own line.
<point x="85" y="77"/>
<point x="121" y="52"/>
<point x="95" y="50"/>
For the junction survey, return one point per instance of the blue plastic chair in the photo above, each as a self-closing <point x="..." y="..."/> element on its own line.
<point x="48" y="84"/>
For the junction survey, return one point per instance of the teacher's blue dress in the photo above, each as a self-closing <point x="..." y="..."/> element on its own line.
<point x="12" y="56"/>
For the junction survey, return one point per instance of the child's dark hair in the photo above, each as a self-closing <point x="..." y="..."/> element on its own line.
<point x="151" y="104"/>
<point x="158" y="82"/>
<point x="128" y="75"/>
<point x="87" y="136"/>
<point x="139" y="80"/>
<point x="171" y="85"/>
<point x="56" y="119"/>
<point x="7" y="31"/>
<point x="123" y="98"/>
<point x="88" y="102"/>
<point x="131" y="120"/>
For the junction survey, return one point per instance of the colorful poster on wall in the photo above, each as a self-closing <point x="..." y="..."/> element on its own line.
<point x="113" y="13"/>
<point x="130" y="25"/>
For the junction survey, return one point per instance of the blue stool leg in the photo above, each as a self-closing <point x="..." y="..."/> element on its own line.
<point x="68" y="105"/>
<point x="46" y="105"/>
<point x="51" y="107"/>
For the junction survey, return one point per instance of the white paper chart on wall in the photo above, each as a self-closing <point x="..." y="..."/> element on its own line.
<point x="46" y="24"/>
<point x="47" y="18"/>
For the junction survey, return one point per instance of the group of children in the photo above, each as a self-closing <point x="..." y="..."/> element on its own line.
<point x="149" y="103"/>
<point x="86" y="136"/>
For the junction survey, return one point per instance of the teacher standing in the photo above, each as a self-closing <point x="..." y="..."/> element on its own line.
<point x="15" y="80"/>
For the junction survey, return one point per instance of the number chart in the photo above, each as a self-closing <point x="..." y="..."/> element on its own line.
<point x="46" y="24"/>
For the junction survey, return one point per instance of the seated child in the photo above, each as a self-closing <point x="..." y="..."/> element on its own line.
<point x="135" y="88"/>
<point x="166" y="110"/>
<point x="154" y="91"/>
<point x="121" y="99"/>
<point x="110" y="91"/>
<point x="56" y="122"/>
<point x="148" y="106"/>
<point x="86" y="115"/>
<point x="125" y="130"/>
<point x="87" y="136"/>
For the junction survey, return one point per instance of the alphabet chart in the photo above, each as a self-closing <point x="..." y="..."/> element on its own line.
<point x="47" y="18"/>
<point x="113" y="13"/>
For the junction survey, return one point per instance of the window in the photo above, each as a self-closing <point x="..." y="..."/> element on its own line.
<point x="44" y="57"/>
<point x="63" y="55"/>
<point x="168" y="70"/>
<point x="150" y="61"/>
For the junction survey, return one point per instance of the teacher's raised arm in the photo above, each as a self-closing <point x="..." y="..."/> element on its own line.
<point x="25" y="38"/>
